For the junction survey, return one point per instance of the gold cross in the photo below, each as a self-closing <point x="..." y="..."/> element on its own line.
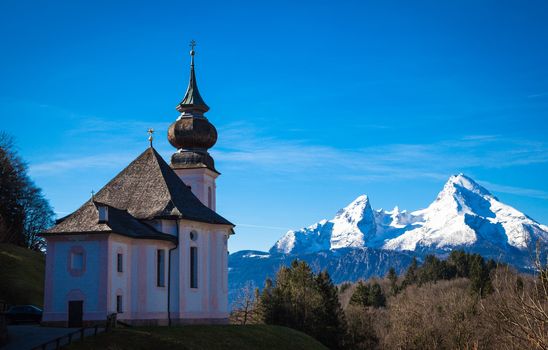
<point x="192" y="44"/>
<point x="150" y="132"/>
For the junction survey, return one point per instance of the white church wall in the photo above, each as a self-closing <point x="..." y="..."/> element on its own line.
<point x="201" y="182"/>
<point x="210" y="299"/>
<point x="120" y="282"/>
<point x="175" y="284"/>
<point x="74" y="272"/>
<point x="148" y="300"/>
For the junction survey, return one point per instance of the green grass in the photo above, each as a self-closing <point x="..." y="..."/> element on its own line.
<point x="224" y="337"/>
<point x="21" y="275"/>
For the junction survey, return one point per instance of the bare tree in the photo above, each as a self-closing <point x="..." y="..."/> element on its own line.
<point x="519" y="307"/>
<point x="244" y="309"/>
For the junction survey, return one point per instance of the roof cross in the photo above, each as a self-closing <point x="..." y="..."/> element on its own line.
<point x="192" y="44"/>
<point x="150" y="138"/>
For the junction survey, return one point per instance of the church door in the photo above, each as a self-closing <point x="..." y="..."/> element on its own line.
<point x="75" y="313"/>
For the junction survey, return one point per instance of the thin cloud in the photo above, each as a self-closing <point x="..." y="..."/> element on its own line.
<point x="243" y="146"/>
<point x="104" y="161"/>
<point x="542" y="94"/>
<point x="520" y="191"/>
<point x="265" y="227"/>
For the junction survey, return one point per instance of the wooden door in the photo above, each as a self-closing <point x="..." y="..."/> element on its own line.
<point x="75" y="313"/>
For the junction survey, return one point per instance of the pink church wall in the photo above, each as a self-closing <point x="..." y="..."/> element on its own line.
<point x="99" y="282"/>
<point x="210" y="299"/>
<point x="64" y="284"/>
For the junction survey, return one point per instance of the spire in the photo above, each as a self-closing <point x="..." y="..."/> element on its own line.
<point x="192" y="102"/>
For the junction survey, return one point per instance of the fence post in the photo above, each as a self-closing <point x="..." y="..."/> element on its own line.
<point x="58" y="341"/>
<point x="82" y="334"/>
<point x="95" y="330"/>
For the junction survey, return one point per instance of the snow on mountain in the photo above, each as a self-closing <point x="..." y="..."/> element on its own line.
<point x="464" y="215"/>
<point x="351" y="227"/>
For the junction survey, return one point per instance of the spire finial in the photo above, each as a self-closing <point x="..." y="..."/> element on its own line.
<point x="150" y="138"/>
<point x="92" y="195"/>
<point x="192" y="46"/>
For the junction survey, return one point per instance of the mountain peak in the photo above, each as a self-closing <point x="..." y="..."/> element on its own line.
<point x="463" y="182"/>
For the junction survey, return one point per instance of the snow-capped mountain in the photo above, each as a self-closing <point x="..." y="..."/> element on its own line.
<point x="360" y="242"/>
<point x="464" y="215"/>
<point x="352" y="227"/>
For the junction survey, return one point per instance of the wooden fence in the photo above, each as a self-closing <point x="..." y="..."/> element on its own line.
<point x="79" y="334"/>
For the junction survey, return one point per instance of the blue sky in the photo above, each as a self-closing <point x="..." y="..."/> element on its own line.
<point x="315" y="102"/>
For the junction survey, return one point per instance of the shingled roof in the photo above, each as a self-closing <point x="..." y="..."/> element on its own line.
<point x="86" y="220"/>
<point x="146" y="189"/>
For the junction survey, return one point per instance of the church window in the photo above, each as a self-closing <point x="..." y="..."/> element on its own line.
<point x="193" y="235"/>
<point x="119" y="304"/>
<point x="77" y="261"/>
<point x="160" y="268"/>
<point x="193" y="267"/>
<point x="103" y="213"/>
<point x="120" y="262"/>
<point x="209" y="198"/>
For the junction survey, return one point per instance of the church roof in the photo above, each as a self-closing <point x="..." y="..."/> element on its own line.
<point x="86" y="220"/>
<point x="146" y="189"/>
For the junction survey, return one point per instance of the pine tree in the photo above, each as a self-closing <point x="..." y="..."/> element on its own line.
<point x="376" y="296"/>
<point x="393" y="279"/>
<point x="331" y="326"/>
<point x="411" y="274"/>
<point x="304" y="301"/>
<point x="360" y="295"/>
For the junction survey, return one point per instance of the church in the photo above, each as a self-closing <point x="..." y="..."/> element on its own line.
<point x="149" y="246"/>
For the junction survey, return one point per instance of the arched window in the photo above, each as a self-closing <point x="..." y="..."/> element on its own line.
<point x="209" y="198"/>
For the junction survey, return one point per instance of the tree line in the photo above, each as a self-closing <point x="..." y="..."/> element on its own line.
<point x="24" y="211"/>
<point x="463" y="301"/>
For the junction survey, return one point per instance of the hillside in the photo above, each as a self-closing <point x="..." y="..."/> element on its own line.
<point x="21" y="275"/>
<point x="202" y="337"/>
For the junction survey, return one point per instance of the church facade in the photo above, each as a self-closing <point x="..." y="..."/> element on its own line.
<point x="149" y="245"/>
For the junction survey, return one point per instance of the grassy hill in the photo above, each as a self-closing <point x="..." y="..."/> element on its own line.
<point x="21" y="275"/>
<point x="224" y="337"/>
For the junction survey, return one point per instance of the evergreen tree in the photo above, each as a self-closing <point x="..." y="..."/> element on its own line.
<point x="393" y="279"/>
<point x="368" y="295"/>
<point x="459" y="259"/>
<point x="376" y="296"/>
<point x="411" y="274"/>
<point x="330" y="322"/>
<point x="306" y="302"/>
<point x="480" y="281"/>
<point x="360" y="295"/>
<point x="24" y="212"/>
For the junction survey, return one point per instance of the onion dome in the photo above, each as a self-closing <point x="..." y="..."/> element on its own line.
<point x="192" y="134"/>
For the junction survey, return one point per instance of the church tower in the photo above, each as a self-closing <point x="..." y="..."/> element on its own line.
<point x="192" y="134"/>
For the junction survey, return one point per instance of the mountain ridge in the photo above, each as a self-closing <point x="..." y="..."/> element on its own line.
<point x="464" y="214"/>
<point x="360" y="242"/>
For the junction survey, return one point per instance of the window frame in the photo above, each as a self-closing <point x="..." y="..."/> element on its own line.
<point x="119" y="262"/>
<point x="160" y="268"/>
<point x="193" y="267"/>
<point x="119" y="304"/>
